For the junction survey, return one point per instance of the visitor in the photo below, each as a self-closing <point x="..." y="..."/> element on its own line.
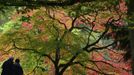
<point x="7" y="67"/>
<point x="17" y="69"/>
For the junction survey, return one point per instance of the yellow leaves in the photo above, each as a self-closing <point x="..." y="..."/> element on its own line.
<point x="44" y="38"/>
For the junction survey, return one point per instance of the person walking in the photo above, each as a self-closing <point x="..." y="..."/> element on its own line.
<point x="17" y="69"/>
<point x="7" y="67"/>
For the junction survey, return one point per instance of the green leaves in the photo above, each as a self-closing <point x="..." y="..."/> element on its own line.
<point x="73" y="14"/>
<point x="25" y="19"/>
<point x="115" y="2"/>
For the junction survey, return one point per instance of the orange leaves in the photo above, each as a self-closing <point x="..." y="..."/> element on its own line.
<point x="41" y="28"/>
<point x="119" y="23"/>
<point x="122" y="6"/>
<point x="27" y="25"/>
<point x="45" y="38"/>
<point x="118" y="67"/>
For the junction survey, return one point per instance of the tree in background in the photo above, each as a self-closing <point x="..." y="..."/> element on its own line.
<point x="131" y="23"/>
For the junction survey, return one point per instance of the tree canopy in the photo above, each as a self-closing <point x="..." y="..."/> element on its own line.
<point x="67" y="32"/>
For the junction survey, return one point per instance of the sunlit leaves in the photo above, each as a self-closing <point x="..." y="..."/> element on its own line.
<point x="73" y="14"/>
<point x="10" y="25"/>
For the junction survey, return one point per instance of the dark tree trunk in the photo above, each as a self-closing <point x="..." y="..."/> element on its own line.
<point x="57" y="72"/>
<point x="132" y="48"/>
<point x="130" y="13"/>
<point x="57" y="59"/>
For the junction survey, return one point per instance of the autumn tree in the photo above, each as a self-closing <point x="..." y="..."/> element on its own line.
<point x="66" y="39"/>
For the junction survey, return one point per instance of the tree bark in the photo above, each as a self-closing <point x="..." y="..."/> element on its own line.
<point x="131" y="32"/>
<point x="132" y="48"/>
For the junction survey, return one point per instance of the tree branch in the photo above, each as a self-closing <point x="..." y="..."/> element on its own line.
<point x="100" y="48"/>
<point x="35" y="66"/>
<point x="33" y="50"/>
<point x="68" y="63"/>
<point x="73" y="24"/>
<point x="41" y="2"/>
<point x="95" y="61"/>
<point x="53" y="17"/>
<point x="107" y="26"/>
<point x="94" y="69"/>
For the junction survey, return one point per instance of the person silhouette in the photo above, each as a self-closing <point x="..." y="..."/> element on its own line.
<point x="17" y="69"/>
<point x="7" y="67"/>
